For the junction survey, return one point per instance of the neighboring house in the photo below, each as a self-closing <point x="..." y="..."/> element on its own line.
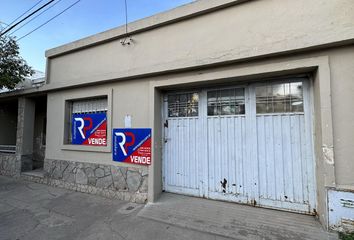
<point x="8" y="120"/>
<point x="36" y="80"/>
<point x="247" y="102"/>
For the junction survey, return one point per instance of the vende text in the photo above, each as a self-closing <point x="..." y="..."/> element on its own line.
<point x="140" y="160"/>
<point x="97" y="141"/>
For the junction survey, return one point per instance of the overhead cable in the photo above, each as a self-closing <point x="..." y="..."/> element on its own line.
<point x="22" y="15"/>
<point x="34" y="17"/>
<point x="49" y="20"/>
<point x="34" y="12"/>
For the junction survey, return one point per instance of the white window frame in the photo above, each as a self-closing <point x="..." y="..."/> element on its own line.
<point x="67" y="115"/>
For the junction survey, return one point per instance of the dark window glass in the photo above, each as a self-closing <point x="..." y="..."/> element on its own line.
<point x="183" y="105"/>
<point x="226" y="102"/>
<point x="278" y="98"/>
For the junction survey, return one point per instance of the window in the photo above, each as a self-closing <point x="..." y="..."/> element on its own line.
<point x="183" y="105"/>
<point x="276" y="98"/>
<point x="87" y="121"/>
<point x="93" y="105"/>
<point x="226" y="102"/>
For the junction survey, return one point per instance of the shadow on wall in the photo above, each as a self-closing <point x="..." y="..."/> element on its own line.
<point x="8" y="123"/>
<point x="40" y="132"/>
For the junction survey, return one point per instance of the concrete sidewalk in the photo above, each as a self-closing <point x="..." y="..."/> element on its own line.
<point x="36" y="211"/>
<point x="234" y="220"/>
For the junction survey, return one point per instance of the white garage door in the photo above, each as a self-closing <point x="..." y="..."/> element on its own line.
<point x="250" y="144"/>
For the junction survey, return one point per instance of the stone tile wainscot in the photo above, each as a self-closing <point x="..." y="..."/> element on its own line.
<point x="124" y="183"/>
<point x="8" y="164"/>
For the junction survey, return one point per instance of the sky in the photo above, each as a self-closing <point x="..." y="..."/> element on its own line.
<point x="86" y="18"/>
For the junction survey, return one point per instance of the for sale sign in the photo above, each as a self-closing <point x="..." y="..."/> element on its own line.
<point x="132" y="145"/>
<point x="89" y="129"/>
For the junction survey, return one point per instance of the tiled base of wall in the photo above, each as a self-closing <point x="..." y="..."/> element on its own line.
<point x="124" y="183"/>
<point x="7" y="164"/>
<point x="137" y="197"/>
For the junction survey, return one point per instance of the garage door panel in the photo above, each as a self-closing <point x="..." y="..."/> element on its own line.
<point x="182" y="155"/>
<point x="296" y="148"/>
<point x="241" y="157"/>
<point x="283" y="205"/>
<point x="278" y="160"/>
<point x="305" y="161"/>
<point x="265" y="156"/>
<point x="268" y="146"/>
<point x="226" y="154"/>
<point x="280" y="143"/>
<point x="214" y="153"/>
<point x="250" y="144"/>
<point x="231" y="154"/>
<point x="287" y="159"/>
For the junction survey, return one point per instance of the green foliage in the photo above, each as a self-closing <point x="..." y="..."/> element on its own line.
<point x="13" y="68"/>
<point x="348" y="236"/>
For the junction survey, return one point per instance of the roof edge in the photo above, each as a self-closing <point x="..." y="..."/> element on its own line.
<point x="177" y="14"/>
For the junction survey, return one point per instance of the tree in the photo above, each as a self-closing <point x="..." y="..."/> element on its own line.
<point x="13" y="68"/>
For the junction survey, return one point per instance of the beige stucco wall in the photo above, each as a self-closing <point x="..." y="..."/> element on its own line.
<point x="246" y="30"/>
<point x="38" y="134"/>
<point x="8" y="123"/>
<point x="342" y="76"/>
<point x="289" y="33"/>
<point x="128" y="98"/>
<point x="133" y="97"/>
<point x="333" y="74"/>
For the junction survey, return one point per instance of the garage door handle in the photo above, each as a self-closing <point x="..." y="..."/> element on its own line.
<point x="166" y="140"/>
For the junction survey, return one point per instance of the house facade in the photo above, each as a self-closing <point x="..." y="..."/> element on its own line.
<point x="243" y="101"/>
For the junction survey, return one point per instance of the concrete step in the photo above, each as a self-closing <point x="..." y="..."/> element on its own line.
<point x="34" y="173"/>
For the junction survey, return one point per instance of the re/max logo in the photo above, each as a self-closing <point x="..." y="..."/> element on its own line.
<point x="132" y="145"/>
<point x="89" y="129"/>
<point x="82" y="128"/>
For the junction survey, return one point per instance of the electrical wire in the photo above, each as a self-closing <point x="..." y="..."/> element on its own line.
<point x="4" y="24"/>
<point x="34" y="17"/>
<point x="126" y="16"/>
<point x="49" y="20"/>
<point x="13" y="26"/>
<point x="22" y="15"/>
<point x="124" y="41"/>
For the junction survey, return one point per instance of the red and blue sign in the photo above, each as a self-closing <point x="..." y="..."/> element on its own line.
<point x="132" y="145"/>
<point x="89" y="129"/>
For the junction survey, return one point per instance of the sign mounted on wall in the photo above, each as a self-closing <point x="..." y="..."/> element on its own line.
<point x="132" y="145"/>
<point x="89" y="129"/>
